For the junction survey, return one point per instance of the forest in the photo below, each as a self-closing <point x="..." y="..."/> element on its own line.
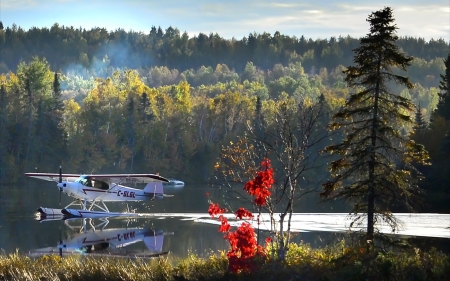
<point x="117" y="101"/>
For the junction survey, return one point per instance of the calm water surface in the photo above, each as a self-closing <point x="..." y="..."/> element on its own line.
<point x="181" y="223"/>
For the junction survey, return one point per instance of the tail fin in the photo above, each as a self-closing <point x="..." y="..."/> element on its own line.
<point x="155" y="188"/>
<point x="154" y="243"/>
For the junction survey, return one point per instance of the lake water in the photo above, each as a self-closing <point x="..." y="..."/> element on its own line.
<point x="179" y="225"/>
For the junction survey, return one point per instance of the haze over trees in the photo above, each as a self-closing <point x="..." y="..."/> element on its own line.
<point x="100" y="101"/>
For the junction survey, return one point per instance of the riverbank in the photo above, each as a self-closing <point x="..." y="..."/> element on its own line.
<point x="301" y="263"/>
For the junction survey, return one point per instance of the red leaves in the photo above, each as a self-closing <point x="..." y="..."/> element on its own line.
<point x="244" y="247"/>
<point x="260" y="186"/>
<point x="214" y="210"/>
<point x="242" y="242"/>
<point x="243" y="214"/>
<point x="225" y="225"/>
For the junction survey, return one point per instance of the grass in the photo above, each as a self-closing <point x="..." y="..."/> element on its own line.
<point x="302" y="263"/>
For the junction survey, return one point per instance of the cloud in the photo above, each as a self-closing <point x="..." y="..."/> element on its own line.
<point x="234" y="18"/>
<point x="317" y="20"/>
<point x="16" y="4"/>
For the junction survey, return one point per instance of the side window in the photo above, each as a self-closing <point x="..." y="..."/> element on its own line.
<point x="97" y="184"/>
<point x="86" y="182"/>
<point x="101" y="185"/>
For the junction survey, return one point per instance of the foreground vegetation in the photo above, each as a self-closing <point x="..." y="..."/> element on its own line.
<point x="302" y="263"/>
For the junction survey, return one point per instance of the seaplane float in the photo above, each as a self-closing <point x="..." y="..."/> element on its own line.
<point x="93" y="239"/>
<point x="90" y="192"/>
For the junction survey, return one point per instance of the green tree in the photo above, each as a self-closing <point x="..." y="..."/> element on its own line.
<point x="5" y="138"/>
<point x="35" y="80"/>
<point x="251" y="73"/>
<point x="143" y="107"/>
<point x="436" y="184"/>
<point x="374" y="166"/>
<point x="443" y="107"/>
<point x="420" y="123"/>
<point x="130" y="133"/>
<point x="56" y="94"/>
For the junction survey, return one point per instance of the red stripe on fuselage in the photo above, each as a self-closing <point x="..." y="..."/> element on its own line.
<point x="93" y="190"/>
<point x="98" y="241"/>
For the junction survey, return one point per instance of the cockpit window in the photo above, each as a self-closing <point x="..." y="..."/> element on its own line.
<point x="85" y="180"/>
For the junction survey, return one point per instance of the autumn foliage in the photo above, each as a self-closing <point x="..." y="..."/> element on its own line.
<point x="260" y="186"/>
<point x="244" y="247"/>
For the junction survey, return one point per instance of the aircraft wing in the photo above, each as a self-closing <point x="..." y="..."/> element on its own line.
<point x="53" y="176"/>
<point x="129" y="178"/>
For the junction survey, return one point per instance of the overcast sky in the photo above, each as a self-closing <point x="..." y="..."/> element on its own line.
<point x="232" y="18"/>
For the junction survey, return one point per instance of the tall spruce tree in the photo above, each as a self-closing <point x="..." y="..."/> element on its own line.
<point x="57" y="103"/>
<point x="373" y="168"/>
<point x="420" y="122"/>
<point x="443" y="107"/>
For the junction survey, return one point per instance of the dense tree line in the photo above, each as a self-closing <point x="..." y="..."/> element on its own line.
<point x="436" y="138"/>
<point x="168" y="103"/>
<point x="76" y="48"/>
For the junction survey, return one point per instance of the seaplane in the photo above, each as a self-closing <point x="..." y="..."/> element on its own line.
<point x="90" y="192"/>
<point x="90" y="239"/>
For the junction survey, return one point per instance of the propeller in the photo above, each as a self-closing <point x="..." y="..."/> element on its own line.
<point x="60" y="181"/>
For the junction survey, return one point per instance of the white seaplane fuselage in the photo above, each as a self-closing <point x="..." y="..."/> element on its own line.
<point x="82" y="189"/>
<point x="88" y="190"/>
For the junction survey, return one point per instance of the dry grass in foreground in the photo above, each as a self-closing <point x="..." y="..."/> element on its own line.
<point x="302" y="263"/>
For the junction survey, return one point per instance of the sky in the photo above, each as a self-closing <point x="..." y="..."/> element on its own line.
<point x="315" y="19"/>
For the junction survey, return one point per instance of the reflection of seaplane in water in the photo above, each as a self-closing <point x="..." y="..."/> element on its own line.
<point x="92" y="191"/>
<point x="97" y="240"/>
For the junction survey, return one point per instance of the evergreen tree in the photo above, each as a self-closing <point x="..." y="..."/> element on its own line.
<point x="258" y="122"/>
<point x="374" y="167"/>
<point x="443" y="107"/>
<point x="436" y="185"/>
<point x="56" y="94"/>
<point x="130" y="130"/>
<point x="420" y="123"/>
<point x="144" y="106"/>
<point x="52" y="123"/>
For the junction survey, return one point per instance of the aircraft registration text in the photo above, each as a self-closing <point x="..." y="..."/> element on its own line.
<point x="129" y="194"/>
